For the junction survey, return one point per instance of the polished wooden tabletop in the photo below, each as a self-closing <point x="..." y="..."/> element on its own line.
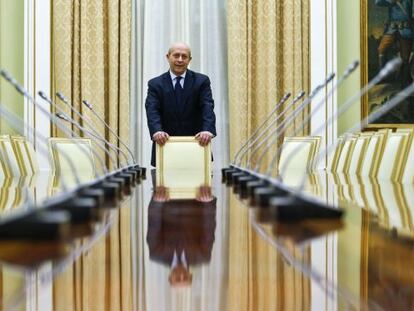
<point x="209" y="249"/>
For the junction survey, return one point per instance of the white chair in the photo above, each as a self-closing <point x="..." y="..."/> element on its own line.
<point x="407" y="167"/>
<point x="8" y="158"/>
<point x="372" y="155"/>
<point x="297" y="159"/>
<point x="392" y="155"/>
<point x="26" y="156"/>
<point x="183" y="164"/>
<point x="70" y="158"/>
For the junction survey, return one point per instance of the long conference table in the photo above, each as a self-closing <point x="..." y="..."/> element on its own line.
<point x="210" y="249"/>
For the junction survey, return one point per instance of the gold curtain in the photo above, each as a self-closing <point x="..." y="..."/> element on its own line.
<point x="268" y="43"/>
<point x="91" y="59"/>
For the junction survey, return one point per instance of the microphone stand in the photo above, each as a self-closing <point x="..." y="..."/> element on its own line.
<point x="91" y="129"/>
<point x="141" y="171"/>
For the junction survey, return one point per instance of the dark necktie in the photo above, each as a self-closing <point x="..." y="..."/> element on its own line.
<point x="179" y="93"/>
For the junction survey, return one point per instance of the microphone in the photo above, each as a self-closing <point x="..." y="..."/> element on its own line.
<point x="81" y="209"/>
<point x="247" y="145"/>
<point x="124" y="181"/>
<point x="296" y="204"/>
<point x="252" y="184"/>
<point x="254" y="138"/>
<point x="141" y="170"/>
<point x="348" y="71"/>
<point x="91" y="129"/>
<point x="111" y="190"/>
<point x="264" y="195"/>
<point x="282" y="128"/>
<point x="284" y="198"/>
<point x="130" y="168"/>
<point x="62" y="116"/>
<point x="386" y="107"/>
<point x="390" y="67"/>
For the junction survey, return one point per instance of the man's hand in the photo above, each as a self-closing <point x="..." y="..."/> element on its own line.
<point x="161" y="194"/>
<point x="204" y="194"/>
<point x="204" y="138"/>
<point x="160" y="138"/>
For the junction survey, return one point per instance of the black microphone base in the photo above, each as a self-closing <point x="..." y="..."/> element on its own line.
<point x="97" y="194"/>
<point x="112" y="192"/>
<point x="294" y="209"/>
<point x="262" y="196"/>
<point x="38" y="225"/>
<point x="81" y="210"/>
<point x="242" y="185"/>
<point x="251" y="186"/>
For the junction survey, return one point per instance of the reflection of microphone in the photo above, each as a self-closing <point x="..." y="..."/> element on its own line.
<point x="87" y="104"/>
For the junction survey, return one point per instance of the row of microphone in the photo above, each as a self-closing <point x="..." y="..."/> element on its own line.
<point x="84" y="202"/>
<point x="247" y="175"/>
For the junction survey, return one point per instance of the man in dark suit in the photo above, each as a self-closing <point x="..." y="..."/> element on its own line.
<point x="179" y="102"/>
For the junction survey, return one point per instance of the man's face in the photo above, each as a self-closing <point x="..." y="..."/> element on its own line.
<point x="179" y="58"/>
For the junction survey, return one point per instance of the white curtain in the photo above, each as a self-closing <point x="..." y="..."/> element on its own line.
<point x="202" y="24"/>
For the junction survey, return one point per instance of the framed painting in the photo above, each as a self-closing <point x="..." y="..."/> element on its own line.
<point x="387" y="31"/>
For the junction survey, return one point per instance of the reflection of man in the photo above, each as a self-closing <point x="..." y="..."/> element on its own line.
<point x="181" y="232"/>
<point x="397" y="29"/>
<point x="179" y="102"/>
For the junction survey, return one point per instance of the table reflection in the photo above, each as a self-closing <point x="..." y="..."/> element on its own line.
<point x="181" y="231"/>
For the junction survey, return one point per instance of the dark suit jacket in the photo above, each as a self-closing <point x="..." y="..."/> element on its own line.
<point x="181" y="225"/>
<point x="163" y="113"/>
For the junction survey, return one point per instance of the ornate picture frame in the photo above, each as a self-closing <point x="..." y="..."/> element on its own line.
<point x="380" y="41"/>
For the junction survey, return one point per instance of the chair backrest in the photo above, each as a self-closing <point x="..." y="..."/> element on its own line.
<point x="361" y="143"/>
<point x="407" y="167"/>
<point x="26" y="155"/>
<point x="79" y="151"/>
<point x="392" y="155"/>
<point x="344" y="156"/>
<point x="372" y="155"/>
<point x="298" y="154"/>
<point x="333" y="156"/>
<point x="183" y="163"/>
<point x="9" y="158"/>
